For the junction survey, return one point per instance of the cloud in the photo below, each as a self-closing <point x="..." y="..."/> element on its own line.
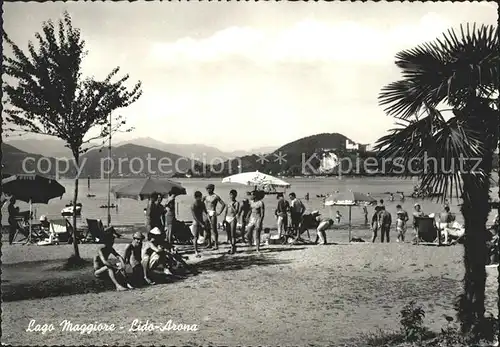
<point x="306" y="41"/>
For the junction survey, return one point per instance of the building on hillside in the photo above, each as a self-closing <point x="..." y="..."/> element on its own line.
<point x="328" y="163"/>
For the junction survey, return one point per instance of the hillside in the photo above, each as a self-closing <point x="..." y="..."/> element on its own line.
<point x="132" y="160"/>
<point x="296" y="157"/>
<point x="128" y="161"/>
<point x="49" y="147"/>
<point x="14" y="158"/>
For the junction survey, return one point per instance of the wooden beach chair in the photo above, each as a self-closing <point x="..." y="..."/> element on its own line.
<point x="61" y="230"/>
<point x="427" y="231"/>
<point x="96" y="231"/>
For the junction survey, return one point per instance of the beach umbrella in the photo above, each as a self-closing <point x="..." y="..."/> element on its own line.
<point x="256" y="179"/>
<point x="140" y="189"/>
<point x="33" y="189"/>
<point x="348" y="199"/>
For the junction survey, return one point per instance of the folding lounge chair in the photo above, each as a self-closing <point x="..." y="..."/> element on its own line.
<point x="427" y="231"/>
<point x="96" y="231"/>
<point x="23" y="229"/>
<point x="61" y="230"/>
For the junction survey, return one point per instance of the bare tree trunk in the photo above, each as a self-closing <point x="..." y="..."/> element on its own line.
<point x="75" y="199"/>
<point x="475" y="209"/>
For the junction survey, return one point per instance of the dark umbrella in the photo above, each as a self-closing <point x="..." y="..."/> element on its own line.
<point x="143" y="188"/>
<point x="33" y="189"/>
<point x="348" y="199"/>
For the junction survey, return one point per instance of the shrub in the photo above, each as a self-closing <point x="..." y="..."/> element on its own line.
<point x="412" y="320"/>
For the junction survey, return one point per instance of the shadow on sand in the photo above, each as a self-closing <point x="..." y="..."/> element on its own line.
<point x="35" y="280"/>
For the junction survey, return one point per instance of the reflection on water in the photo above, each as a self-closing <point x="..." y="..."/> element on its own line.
<point x="131" y="211"/>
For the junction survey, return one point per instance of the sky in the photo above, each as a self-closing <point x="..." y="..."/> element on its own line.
<point x="243" y="75"/>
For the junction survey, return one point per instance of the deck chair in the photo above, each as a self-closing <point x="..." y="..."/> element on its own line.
<point x="427" y="231"/>
<point x="181" y="234"/>
<point x="61" y="230"/>
<point x="96" y="231"/>
<point x="22" y="231"/>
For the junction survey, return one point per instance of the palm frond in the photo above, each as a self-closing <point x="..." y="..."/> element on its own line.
<point x="446" y="70"/>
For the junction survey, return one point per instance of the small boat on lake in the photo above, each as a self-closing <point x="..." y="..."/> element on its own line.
<point x="68" y="210"/>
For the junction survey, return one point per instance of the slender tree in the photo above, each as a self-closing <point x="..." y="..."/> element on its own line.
<point x="461" y="72"/>
<point x="48" y="95"/>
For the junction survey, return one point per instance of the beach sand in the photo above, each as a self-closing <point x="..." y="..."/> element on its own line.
<point x="289" y="295"/>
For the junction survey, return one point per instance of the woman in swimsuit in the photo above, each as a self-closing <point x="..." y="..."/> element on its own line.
<point x="256" y="217"/>
<point x="231" y="219"/>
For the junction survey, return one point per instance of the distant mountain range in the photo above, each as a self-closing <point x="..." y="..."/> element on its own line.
<point x="301" y="157"/>
<point x="56" y="148"/>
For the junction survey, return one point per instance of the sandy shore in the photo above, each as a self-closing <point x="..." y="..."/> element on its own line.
<point x="289" y="295"/>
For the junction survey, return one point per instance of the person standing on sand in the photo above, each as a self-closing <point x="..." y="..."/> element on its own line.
<point x="281" y="213"/>
<point x="211" y="201"/>
<point x="417" y="213"/>
<point x="365" y="212"/>
<point x="401" y="223"/>
<point x="198" y="209"/>
<point x="244" y="214"/>
<point x="374" y="225"/>
<point x="13" y="212"/>
<point x="170" y="217"/>
<point x="297" y="210"/>
<point x="384" y="222"/>
<point x="153" y="215"/>
<point x="231" y="219"/>
<point x="256" y="217"/>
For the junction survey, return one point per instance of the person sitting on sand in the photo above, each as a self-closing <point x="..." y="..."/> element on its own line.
<point x="384" y="222"/>
<point x="103" y="267"/>
<point x="445" y="218"/>
<point x="402" y="218"/>
<point x="198" y="209"/>
<point x="231" y="219"/>
<point x="211" y="201"/>
<point x="133" y="257"/>
<point x="324" y="224"/>
<point x="281" y="213"/>
<point x="154" y="255"/>
<point x="256" y="217"/>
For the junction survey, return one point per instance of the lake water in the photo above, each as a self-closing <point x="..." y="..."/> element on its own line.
<point x="131" y="211"/>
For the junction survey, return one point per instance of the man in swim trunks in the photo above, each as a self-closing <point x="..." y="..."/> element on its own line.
<point x="198" y="209"/>
<point x="133" y="258"/>
<point x="231" y="219"/>
<point x="245" y="211"/>
<point x="211" y="201"/>
<point x="297" y="210"/>
<point x="324" y="224"/>
<point x="282" y="214"/>
<point x="103" y="267"/>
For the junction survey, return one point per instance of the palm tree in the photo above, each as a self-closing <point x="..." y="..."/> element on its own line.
<point x="461" y="72"/>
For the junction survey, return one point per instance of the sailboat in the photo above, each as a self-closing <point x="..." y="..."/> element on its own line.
<point x="89" y="195"/>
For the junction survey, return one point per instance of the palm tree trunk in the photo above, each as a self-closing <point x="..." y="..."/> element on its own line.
<point x="75" y="200"/>
<point x="475" y="209"/>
